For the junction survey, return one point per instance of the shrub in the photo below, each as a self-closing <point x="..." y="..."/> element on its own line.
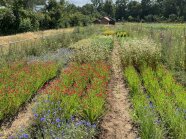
<point x="130" y="19"/>
<point x="25" y="25"/>
<point x="172" y="18"/>
<point x="149" y="18"/>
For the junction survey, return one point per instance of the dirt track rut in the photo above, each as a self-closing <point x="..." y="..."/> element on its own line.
<point x="117" y="123"/>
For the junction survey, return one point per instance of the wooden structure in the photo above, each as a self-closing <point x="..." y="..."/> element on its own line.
<point x="105" y="20"/>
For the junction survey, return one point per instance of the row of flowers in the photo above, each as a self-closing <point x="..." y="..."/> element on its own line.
<point x="71" y="106"/>
<point x="20" y="81"/>
<point x="159" y="106"/>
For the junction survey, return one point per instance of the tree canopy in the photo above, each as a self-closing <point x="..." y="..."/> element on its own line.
<point x="19" y="15"/>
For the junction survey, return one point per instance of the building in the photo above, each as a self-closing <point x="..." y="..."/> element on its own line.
<point x="38" y="8"/>
<point x="105" y="20"/>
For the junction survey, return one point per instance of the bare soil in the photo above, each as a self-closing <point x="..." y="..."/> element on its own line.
<point x="117" y="123"/>
<point x="23" y="120"/>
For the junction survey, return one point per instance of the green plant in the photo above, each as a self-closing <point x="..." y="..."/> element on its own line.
<point x="93" y="49"/>
<point x="19" y="82"/>
<point x="139" y="52"/>
<point x="150" y="126"/>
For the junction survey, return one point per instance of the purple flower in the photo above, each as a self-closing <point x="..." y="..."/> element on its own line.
<point x="58" y="120"/>
<point x="42" y="119"/>
<point x="94" y="126"/>
<point x="88" y="124"/>
<point x="36" y="115"/>
<point x="26" y="136"/>
<point x="72" y="118"/>
<point x="58" y="125"/>
<point x="79" y="123"/>
<point x="158" y="121"/>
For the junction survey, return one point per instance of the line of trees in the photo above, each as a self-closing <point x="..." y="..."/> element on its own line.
<point x="18" y="15"/>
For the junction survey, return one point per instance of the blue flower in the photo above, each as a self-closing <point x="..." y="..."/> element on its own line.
<point x="36" y="115"/>
<point x="42" y="119"/>
<point x="79" y="123"/>
<point x="58" y="125"/>
<point x="72" y="118"/>
<point x="24" y="136"/>
<point x="94" y="126"/>
<point x="58" y="120"/>
<point x="88" y="124"/>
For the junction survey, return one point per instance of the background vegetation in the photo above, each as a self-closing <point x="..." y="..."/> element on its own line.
<point x="21" y="15"/>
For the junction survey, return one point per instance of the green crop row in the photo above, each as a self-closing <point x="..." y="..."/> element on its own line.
<point x="165" y="103"/>
<point x="160" y="105"/>
<point x="143" y="113"/>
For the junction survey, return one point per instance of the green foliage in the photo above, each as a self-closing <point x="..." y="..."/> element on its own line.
<point x="7" y="21"/>
<point x="165" y="103"/>
<point x="143" y="113"/>
<point x="25" y="25"/>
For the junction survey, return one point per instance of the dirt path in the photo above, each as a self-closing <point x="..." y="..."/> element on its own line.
<point x="117" y="123"/>
<point x="22" y="121"/>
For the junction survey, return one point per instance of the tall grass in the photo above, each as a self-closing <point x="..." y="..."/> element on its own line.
<point x="21" y="50"/>
<point x="170" y="37"/>
<point x="171" y="40"/>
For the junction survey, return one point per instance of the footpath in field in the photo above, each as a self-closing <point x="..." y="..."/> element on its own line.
<point x="22" y="120"/>
<point x="117" y="123"/>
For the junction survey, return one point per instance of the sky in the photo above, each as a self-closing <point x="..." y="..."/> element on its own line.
<point x="83" y="2"/>
<point x="80" y="2"/>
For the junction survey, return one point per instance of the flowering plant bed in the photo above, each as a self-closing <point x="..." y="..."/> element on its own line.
<point x="20" y="81"/>
<point x="71" y="105"/>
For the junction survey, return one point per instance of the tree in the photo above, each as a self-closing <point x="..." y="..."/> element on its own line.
<point x="121" y="6"/>
<point x="134" y="9"/>
<point x="146" y="7"/>
<point x="109" y="8"/>
<point x="96" y="3"/>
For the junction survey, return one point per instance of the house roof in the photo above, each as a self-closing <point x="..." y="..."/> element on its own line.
<point x="107" y="18"/>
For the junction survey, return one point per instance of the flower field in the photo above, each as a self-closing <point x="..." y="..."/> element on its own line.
<point x="72" y="105"/>
<point x="114" y="84"/>
<point x="19" y="82"/>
